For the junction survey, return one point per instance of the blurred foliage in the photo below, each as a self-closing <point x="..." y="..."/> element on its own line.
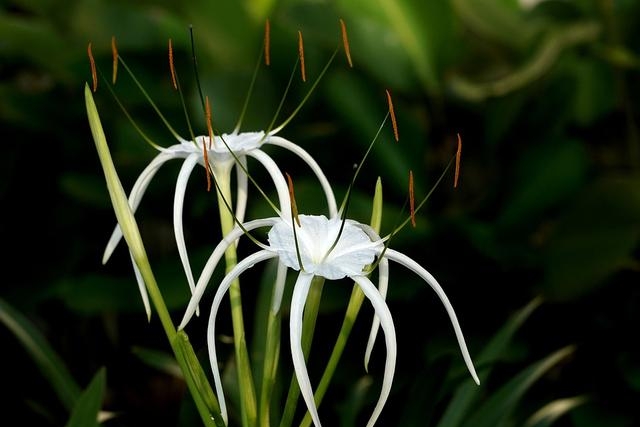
<point x="543" y="93"/>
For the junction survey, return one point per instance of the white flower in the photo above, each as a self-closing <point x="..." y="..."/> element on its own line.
<point x="334" y="250"/>
<point x="221" y="161"/>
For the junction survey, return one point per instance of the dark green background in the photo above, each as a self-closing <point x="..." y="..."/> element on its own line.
<point x="548" y="205"/>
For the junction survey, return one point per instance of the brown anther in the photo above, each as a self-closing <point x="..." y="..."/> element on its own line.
<point x="294" y="206"/>
<point x="412" y="200"/>
<point x="206" y="149"/>
<point x="267" y="43"/>
<point x="456" y="176"/>
<point x="208" y="118"/>
<point x="114" y="53"/>
<point x="92" y="62"/>
<point x="345" y="42"/>
<point x="393" y="116"/>
<point x="171" y="66"/>
<point x="301" y="54"/>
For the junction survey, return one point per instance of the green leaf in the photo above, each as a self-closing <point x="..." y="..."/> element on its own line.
<point x="549" y="413"/>
<point x="469" y="393"/>
<point x="160" y="360"/>
<point x="191" y="366"/>
<point x="501" y="404"/>
<point x="45" y="358"/>
<point x="85" y="413"/>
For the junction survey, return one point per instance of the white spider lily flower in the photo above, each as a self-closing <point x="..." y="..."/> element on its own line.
<point x="223" y="154"/>
<point x="329" y="248"/>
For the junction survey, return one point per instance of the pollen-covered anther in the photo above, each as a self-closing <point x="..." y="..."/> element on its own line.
<point x="301" y="54"/>
<point x="456" y="176"/>
<point x="92" y="63"/>
<point x="393" y="115"/>
<point x="412" y="200"/>
<point x="172" y="69"/>
<point x="267" y="43"/>
<point x="345" y="42"/>
<point x="114" y="53"/>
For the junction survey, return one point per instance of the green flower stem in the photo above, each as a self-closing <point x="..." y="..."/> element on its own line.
<point x="271" y="357"/>
<point x="308" y="326"/>
<point x="190" y="366"/>
<point x="355" y="302"/>
<point x="248" y="405"/>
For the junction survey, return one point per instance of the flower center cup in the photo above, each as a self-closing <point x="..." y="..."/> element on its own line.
<point x="316" y="236"/>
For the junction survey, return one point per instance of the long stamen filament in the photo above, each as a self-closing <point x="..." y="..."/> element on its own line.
<point x="294" y="220"/>
<point x="250" y="90"/>
<point x="306" y="97"/>
<point x="195" y="66"/>
<point x="148" y="97"/>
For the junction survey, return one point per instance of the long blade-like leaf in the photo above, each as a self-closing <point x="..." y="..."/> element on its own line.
<point x="85" y="413"/>
<point x="469" y="392"/>
<point x="501" y="404"/>
<point x="44" y="356"/>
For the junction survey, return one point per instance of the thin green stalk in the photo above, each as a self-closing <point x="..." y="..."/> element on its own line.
<point x="355" y="302"/>
<point x="272" y="347"/>
<point x="200" y="389"/>
<point x="271" y="357"/>
<point x="248" y="405"/>
<point x="308" y="326"/>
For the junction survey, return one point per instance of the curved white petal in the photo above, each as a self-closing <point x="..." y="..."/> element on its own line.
<point x="138" y="190"/>
<point x="212" y="263"/>
<point x="306" y="157"/>
<point x="382" y="313"/>
<point x="242" y="189"/>
<point x="278" y="287"/>
<point x="278" y="179"/>
<point x="298" y="299"/>
<point x="242" y="266"/>
<point x="178" y="202"/>
<point x="383" y="285"/>
<point x="141" y="287"/>
<point x="422" y="272"/>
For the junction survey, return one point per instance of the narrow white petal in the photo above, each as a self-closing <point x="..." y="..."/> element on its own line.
<point x="383" y="284"/>
<point x="278" y="179"/>
<point x="278" y="287"/>
<point x="241" y="267"/>
<point x="242" y="189"/>
<point x="298" y="299"/>
<point x="212" y="263"/>
<point x="141" y="287"/>
<point x="137" y="192"/>
<point x="382" y="313"/>
<point x="309" y="160"/>
<point x="178" y="203"/>
<point x="422" y="272"/>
